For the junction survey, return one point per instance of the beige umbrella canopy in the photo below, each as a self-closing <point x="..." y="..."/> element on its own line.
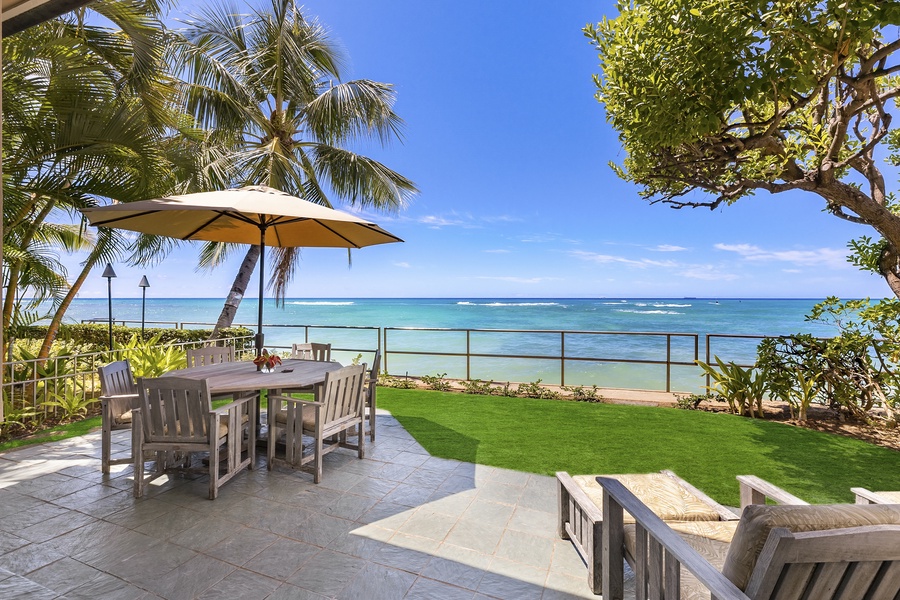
<point x="249" y="215"/>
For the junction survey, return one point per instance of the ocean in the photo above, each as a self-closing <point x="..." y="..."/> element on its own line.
<point x="629" y="360"/>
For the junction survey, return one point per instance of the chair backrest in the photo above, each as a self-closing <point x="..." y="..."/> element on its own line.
<point x="342" y="393"/>
<point x="757" y="520"/>
<point x="837" y="564"/>
<point x="209" y="355"/>
<point x="376" y="367"/>
<point x="116" y="379"/>
<point x="175" y="409"/>
<point x="312" y="351"/>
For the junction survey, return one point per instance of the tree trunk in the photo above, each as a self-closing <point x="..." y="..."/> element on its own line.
<point x="889" y="266"/>
<point x="238" y="289"/>
<point x="53" y="329"/>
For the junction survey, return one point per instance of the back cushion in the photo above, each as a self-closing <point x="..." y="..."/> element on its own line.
<point x="758" y="519"/>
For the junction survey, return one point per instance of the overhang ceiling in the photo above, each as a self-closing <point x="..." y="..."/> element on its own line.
<point x="22" y="14"/>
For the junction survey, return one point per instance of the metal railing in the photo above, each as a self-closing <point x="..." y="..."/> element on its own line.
<point x="562" y="357"/>
<point x="28" y="384"/>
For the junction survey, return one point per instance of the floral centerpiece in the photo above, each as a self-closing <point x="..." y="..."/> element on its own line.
<point x="266" y="361"/>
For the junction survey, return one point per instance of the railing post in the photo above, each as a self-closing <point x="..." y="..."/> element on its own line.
<point x="707" y="358"/>
<point x="562" y="358"/>
<point x="668" y="362"/>
<point x="384" y="354"/>
<point x="468" y="355"/>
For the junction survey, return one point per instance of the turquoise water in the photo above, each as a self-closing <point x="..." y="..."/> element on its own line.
<point x="691" y="316"/>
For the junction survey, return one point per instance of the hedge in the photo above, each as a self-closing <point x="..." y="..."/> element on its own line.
<point x="98" y="334"/>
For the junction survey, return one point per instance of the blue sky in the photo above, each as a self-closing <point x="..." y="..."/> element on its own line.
<point x="510" y="150"/>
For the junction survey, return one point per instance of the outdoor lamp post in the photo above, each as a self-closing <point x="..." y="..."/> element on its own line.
<point x="109" y="274"/>
<point x="144" y="284"/>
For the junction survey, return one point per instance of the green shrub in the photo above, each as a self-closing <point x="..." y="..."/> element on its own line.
<point x="150" y="358"/>
<point x="96" y="335"/>
<point x="583" y="394"/>
<point x="535" y="390"/>
<point x="477" y="386"/>
<point x="437" y="382"/>
<point x="741" y="388"/>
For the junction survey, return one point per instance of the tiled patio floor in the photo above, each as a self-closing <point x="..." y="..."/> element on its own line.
<point x="399" y="524"/>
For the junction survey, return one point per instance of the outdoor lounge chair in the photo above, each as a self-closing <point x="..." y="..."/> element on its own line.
<point x="785" y="552"/>
<point x="671" y="498"/>
<point x="864" y="496"/>
<point x="118" y="397"/>
<point x="339" y="408"/>
<point x="175" y="419"/>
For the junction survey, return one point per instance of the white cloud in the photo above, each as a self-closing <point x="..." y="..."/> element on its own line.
<point x="527" y="280"/>
<point x="402" y="265"/>
<point x="500" y="251"/>
<point x="437" y="222"/>
<point x="706" y="273"/>
<point x="669" y="248"/>
<point x="832" y="258"/>
<point x="604" y="259"/>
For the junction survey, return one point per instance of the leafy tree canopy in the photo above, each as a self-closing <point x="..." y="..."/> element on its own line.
<point x="728" y="98"/>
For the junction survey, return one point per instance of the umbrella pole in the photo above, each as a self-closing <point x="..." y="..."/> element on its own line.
<point x="260" y="338"/>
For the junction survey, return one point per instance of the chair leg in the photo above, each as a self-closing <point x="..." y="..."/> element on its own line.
<point x="213" y="471"/>
<point x="105" y="443"/>
<point x="317" y="474"/>
<point x="137" y="452"/>
<point x="362" y="438"/>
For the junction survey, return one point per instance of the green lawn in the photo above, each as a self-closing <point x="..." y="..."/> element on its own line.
<point x="707" y="449"/>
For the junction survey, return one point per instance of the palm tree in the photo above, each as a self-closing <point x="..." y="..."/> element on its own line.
<point x="87" y="118"/>
<point x="267" y="86"/>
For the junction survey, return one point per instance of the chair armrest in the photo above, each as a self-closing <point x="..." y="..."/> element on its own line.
<point x="756" y="491"/>
<point x="577" y="494"/>
<point x="287" y="399"/>
<point x="119" y="396"/>
<point x="226" y="408"/>
<point x="864" y="496"/>
<point x="616" y="499"/>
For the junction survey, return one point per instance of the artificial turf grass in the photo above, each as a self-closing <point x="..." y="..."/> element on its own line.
<point x="707" y="449"/>
<point x="54" y="434"/>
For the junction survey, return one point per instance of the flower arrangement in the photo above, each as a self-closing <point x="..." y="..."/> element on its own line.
<point x="267" y="360"/>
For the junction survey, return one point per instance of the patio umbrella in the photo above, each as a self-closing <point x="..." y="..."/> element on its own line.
<point x="249" y="215"/>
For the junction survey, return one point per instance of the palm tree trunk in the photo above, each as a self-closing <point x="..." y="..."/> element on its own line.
<point x="238" y="289"/>
<point x="53" y="329"/>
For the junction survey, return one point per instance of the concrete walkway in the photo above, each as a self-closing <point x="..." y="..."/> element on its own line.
<point x="399" y="524"/>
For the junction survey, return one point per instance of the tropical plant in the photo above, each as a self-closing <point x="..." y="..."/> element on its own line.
<point x="267" y="87"/>
<point x="150" y="359"/>
<point x="731" y="98"/>
<point x="87" y="119"/>
<point x="855" y="370"/>
<point x="436" y="382"/>
<point x="741" y="388"/>
<point x="477" y="386"/>
<point x="583" y="394"/>
<point x="72" y="401"/>
<point x="535" y="390"/>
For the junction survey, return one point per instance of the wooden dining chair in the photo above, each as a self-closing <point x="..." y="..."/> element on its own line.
<point x="175" y="419"/>
<point x="311" y="351"/>
<point x="118" y="396"/>
<point x="308" y="351"/>
<point x="339" y="407"/>
<point x="209" y="355"/>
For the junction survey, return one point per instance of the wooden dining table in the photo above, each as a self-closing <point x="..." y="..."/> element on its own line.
<point x="242" y="376"/>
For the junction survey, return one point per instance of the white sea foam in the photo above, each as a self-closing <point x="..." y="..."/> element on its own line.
<point x="649" y="312"/>
<point x="323" y="303"/>
<point x="659" y="305"/>
<point x="508" y="303"/>
<point x="619" y="303"/>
